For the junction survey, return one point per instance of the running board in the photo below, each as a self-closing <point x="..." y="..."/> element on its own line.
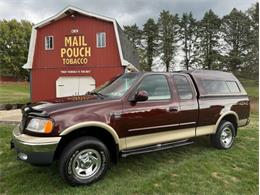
<point x="153" y="148"/>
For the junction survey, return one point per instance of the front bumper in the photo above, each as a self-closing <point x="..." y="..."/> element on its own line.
<point x="34" y="150"/>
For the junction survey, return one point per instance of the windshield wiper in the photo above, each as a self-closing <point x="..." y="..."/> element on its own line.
<point x="95" y="93"/>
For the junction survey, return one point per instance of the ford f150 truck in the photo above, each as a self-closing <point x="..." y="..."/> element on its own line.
<point x="132" y="114"/>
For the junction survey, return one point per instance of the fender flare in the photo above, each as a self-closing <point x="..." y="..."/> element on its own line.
<point x="92" y="124"/>
<point x="223" y="115"/>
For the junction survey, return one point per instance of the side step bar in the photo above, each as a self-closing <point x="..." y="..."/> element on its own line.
<point x="157" y="147"/>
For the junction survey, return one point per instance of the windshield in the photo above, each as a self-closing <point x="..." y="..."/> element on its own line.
<point x="118" y="87"/>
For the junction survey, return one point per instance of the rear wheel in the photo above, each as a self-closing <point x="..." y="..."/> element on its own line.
<point x="84" y="161"/>
<point x="225" y="135"/>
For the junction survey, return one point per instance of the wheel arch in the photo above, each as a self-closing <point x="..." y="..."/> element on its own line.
<point x="102" y="131"/>
<point x="91" y="124"/>
<point x="230" y="116"/>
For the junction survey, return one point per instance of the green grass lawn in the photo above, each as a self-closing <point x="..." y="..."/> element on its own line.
<point x="11" y="93"/>
<point x="251" y="87"/>
<point x="252" y="91"/>
<point x="194" y="169"/>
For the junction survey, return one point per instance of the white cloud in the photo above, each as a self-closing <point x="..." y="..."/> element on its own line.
<point x="125" y="11"/>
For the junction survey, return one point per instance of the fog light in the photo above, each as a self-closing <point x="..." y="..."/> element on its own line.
<point x="22" y="156"/>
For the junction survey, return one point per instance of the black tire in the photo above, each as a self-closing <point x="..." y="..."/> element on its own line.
<point x="96" y="155"/>
<point x="218" y="140"/>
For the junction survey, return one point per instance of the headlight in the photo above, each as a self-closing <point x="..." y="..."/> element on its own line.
<point x="40" y="125"/>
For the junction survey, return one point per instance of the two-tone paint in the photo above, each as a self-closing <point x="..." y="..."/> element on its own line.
<point x="139" y="124"/>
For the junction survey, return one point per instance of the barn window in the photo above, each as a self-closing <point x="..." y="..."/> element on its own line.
<point x="49" y="45"/>
<point x="101" y="39"/>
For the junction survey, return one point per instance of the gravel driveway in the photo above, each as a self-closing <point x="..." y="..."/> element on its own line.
<point x="10" y="116"/>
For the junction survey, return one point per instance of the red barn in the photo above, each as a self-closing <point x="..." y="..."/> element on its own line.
<point x="74" y="52"/>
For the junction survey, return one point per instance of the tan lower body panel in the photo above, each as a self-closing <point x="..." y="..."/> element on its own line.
<point x="154" y="138"/>
<point x="206" y="130"/>
<point x="122" y="143"/>
<point x="166" y="136"/>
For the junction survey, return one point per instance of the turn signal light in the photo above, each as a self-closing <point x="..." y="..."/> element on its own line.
<point x="48" y="126"/>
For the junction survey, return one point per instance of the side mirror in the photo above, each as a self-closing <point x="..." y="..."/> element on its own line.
<point x="141" y="96"/>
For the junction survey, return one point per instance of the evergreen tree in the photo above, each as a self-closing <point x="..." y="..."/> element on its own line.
<point x="209" y="37"/>
<point x="188" y="36"/>
<point x="14" y="44"/>
<point x="252" y="61"/>
<point x="168" y="27"/>
<point x="235" y="29"/>
<point x="150" y="36"/>
<point x="134" y="34"/>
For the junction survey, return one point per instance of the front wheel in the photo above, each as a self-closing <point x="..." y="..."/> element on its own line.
<point x="225" y="135"/>
<point x="84" y="161"/>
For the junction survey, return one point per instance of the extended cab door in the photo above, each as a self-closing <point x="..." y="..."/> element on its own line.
<point x="187" y="96"/>
<point x="155" y="120"/>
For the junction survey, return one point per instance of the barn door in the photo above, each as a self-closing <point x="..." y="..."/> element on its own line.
<point x="67" y="86"/>
<point x="86" y="84"/>
<point x="73" y="86"/>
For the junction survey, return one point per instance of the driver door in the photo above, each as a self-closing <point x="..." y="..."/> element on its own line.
<point x="158" y="114"/>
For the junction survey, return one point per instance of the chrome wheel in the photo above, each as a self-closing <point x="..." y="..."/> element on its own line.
<point x="226" y="137"/>
<point x="86" y="163"/>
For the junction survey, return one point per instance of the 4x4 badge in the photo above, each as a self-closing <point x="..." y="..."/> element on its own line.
<point x="116" y="115"/>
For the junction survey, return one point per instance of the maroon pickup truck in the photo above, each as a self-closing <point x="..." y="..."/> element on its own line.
<point x="132" y="114"/>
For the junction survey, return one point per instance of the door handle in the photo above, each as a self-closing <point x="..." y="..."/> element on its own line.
<point x="173" y="109"/>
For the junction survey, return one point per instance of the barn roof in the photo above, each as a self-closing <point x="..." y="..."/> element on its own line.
<point x="127" y="53"/>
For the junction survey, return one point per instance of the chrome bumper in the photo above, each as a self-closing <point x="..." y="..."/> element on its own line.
<point x="36" y="150"/>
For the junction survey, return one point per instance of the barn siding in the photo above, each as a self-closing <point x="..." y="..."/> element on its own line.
<point x="103" y="64"/>
<point x="44" y="80"/>
<point x="87" y="26"/>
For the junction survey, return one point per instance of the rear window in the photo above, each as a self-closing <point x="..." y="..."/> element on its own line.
<point x="183" y="87"/>
<point x="232" y="85"/>
<point x="220" y="87"/>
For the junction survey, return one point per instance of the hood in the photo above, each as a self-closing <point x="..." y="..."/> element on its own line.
<point x="65" y="104"/>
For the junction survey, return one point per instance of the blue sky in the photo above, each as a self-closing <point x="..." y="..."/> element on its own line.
<point x="125" y="11"/>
